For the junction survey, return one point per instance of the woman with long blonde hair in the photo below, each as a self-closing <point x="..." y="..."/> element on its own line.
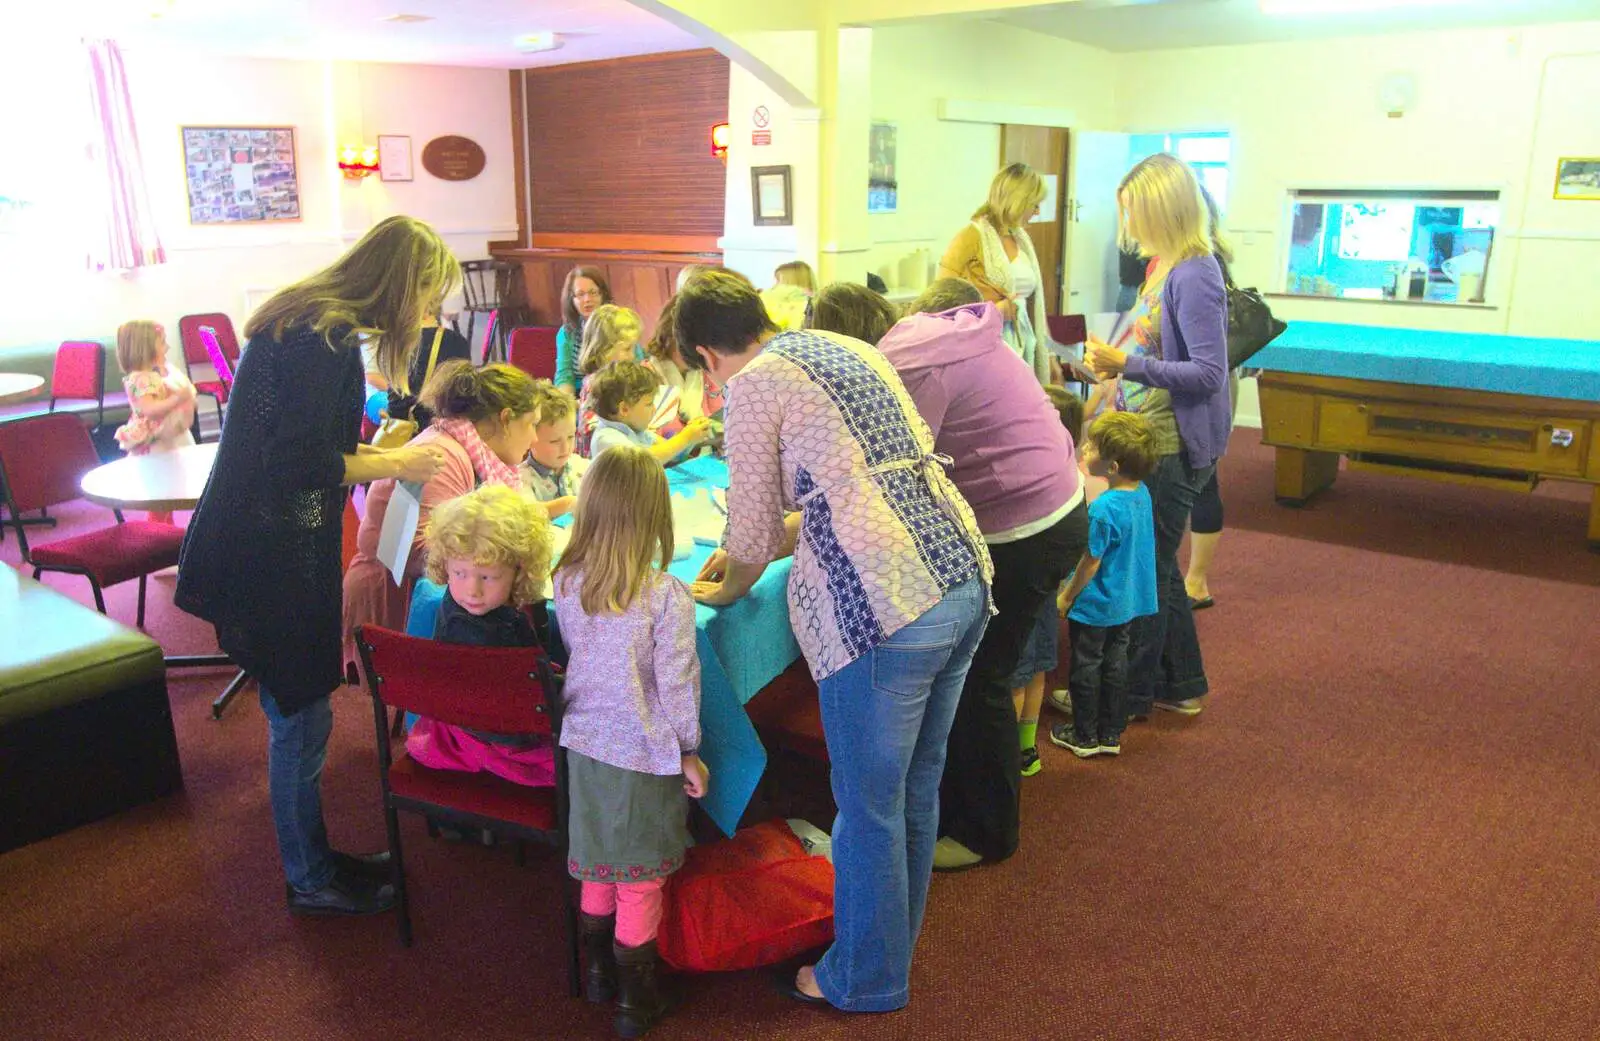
<point x="994" y="253"/>
<point x="261" y="560"/>
<point x="1175" y="372"/>
<point x="632" y="722"/>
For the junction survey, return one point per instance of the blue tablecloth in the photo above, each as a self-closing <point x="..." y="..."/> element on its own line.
<point x="1535" y="366"/>
<point x="743" y="647"/>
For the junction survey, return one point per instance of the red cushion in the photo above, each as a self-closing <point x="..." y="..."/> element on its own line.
<point x="114" y="554"/>
<point x="78" y="372"/>
<point x="480" y="793"/>
<point x="789" y="712"/>
<point x="215" y="388"/>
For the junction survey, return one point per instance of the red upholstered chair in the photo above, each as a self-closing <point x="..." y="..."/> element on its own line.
<point x="503" y="690"/>
<point x="80" y="375"/>
<point x="787" y="713"/>
<point x="42" y="460"/>
<point x="195" y="353"/>
<point x="533" y="350"/>
<point x="1067" y="328"/>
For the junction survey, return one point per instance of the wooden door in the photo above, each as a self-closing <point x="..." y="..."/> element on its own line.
<point x="1044" y="149"/>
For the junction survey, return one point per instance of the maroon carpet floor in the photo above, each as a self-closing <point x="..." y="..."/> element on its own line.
<point x="1383" y="826"/>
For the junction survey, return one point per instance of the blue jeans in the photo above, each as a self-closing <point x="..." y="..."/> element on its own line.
<point x="887" y="717"/>
<point x="1164" y="662"/>
<point x="297" y="749"/>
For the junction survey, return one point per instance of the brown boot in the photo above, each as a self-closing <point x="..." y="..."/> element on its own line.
<point x="600" y="982"/>
<point x="640" y="1002"/>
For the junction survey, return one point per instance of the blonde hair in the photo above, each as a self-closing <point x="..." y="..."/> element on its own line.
<point x="400" y="271"/>
<point x="1163" y="213"/>
<point x="787" y="306"/>
<point x="795" y="273"/>
<point x="622" y="530"/>
<point x="551" y="403"/>
<point x="608" y="326"/>
<point x="943" y="295"/>
<point x="139" y="345"/>
<point x="456" y="390"/>
<point x="1126" y="439"/>
<point x="1016" y="191"/>
<point x="492" y="526"/>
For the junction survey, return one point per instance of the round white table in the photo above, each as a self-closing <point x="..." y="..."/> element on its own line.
<point x="162" y="483"/>
<point x="16" y="386"/>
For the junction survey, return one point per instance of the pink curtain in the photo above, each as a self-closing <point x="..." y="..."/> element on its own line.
<point x="127" y="236"/>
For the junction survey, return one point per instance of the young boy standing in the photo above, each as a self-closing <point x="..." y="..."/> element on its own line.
<point x="1115" y="583"/>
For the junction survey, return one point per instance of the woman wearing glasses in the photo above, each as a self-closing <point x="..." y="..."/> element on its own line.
<point x="584" y="290"/>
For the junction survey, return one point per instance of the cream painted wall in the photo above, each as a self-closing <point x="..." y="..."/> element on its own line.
<point x="1494" y="109"/>
<point x="230" y="268"/>
<point x="945" y="166"/>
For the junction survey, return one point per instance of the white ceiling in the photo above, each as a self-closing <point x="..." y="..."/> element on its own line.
<point x="1140" y="25"/>
<point x="461" y="32"/>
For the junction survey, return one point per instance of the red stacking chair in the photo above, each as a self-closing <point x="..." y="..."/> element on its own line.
<point x="503" y="690"/>
<point x="787" y="713"/>
<point x="195" y="353"/>
<point x="80" y="375"/>
<point x="1067" y="328"/>
<point x="42" y="459"/>
<point x="533" y="350"/>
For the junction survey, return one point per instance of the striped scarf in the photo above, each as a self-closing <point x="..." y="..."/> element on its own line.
<point x="489" y="468"/>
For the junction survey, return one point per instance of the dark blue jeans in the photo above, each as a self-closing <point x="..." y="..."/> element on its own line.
<point x="297" y="749"/>
<point x="887" y="716"/>
<point x="1098" y="682"/>
<point x="1165" y="656"/>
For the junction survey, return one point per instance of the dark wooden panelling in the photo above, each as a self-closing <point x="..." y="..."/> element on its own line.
<point x="641" y="279"/>
<point x="519" y="153"/>
<point x="624" y="146"/>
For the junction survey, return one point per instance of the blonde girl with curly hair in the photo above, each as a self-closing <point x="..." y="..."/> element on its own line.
<point x="490" y="549"/>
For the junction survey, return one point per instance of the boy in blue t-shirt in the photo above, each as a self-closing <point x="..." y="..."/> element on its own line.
<point x="1115" y="583"/>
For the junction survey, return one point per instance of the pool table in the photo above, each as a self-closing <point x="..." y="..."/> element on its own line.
<point x="1470" y="408"/>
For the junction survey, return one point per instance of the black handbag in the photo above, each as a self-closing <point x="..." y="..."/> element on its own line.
<point x="1251" y="323"/>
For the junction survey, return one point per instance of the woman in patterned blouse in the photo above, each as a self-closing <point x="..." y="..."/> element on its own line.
<point x="829" y="460"/>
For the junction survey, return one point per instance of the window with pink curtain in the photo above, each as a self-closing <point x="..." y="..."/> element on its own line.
<point x="125" y="236"/>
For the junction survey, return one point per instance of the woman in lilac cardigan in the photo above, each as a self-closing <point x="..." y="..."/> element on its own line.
<point x="1175" y="372"/>
<point x="1015" y="464"/>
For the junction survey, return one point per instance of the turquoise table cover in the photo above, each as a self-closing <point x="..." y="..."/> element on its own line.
<point x="1547" y="368"/>
<point x="743" y="647"/>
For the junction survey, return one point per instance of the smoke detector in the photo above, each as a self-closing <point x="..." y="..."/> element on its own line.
<point x="407" y="19"/>
<point x="533" y="43"/>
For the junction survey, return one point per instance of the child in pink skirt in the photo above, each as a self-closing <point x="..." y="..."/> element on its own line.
<point x="491" y="549"/>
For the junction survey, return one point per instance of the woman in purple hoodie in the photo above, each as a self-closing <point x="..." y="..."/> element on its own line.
<point x="1014" y="463"/>
<point x="1175" y="372"/>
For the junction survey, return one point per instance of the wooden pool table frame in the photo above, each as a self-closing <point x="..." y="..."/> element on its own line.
<point x="1508" y="441"/>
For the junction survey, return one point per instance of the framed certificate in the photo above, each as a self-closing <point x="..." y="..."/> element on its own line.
<point x="394" y="157"/>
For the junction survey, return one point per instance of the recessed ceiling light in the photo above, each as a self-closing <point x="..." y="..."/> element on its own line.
<point x="407" y="19"/>
<point x="1336" y="7"/>
<point x="532" y="43"/>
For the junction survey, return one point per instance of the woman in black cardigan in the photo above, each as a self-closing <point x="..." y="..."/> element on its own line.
<point x="261" y="560"/>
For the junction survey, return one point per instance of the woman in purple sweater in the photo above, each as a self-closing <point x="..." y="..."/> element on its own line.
<point x="1014" y="463"/>
<point x="1175" y="372"/>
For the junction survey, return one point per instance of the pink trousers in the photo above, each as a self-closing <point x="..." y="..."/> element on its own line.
<point x="637" y="906"/>
<point x="440" y="746"/>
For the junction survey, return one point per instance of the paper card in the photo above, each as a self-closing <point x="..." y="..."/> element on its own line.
<point x="400" y="529"/>
<point x="667" y="401"/>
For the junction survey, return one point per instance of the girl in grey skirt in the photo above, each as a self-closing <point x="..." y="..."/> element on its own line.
<point x="632" y="723"/>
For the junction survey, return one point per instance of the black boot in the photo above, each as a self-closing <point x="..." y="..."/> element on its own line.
<point x="600" y="982"/>
<point x="640" y="1002"/>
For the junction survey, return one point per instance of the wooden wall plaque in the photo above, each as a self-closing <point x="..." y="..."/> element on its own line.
<point x="453" y="158"/>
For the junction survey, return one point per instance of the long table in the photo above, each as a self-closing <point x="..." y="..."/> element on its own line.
<point x="743" y="647"/>
<point x="1467" y="408"/>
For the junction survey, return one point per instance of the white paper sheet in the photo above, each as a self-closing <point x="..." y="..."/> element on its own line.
<point x="400" y="529"/>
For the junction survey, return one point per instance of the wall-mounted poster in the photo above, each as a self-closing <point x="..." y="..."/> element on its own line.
<point x="238" y="175"/>
<point x="1578" y="178"/>
<point x="883" y="189"/>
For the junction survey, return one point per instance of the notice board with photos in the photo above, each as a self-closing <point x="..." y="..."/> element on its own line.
<point x="241" y="175"/>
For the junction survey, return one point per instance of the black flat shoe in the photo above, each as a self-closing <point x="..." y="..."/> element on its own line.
<point x="1201" y="603"/>
<point x="345" y="896"/>
<point x="784" y="980"/>
<point x="374" y="867"/>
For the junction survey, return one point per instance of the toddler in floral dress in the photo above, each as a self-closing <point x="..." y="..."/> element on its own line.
<point x="160" y="402"/>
